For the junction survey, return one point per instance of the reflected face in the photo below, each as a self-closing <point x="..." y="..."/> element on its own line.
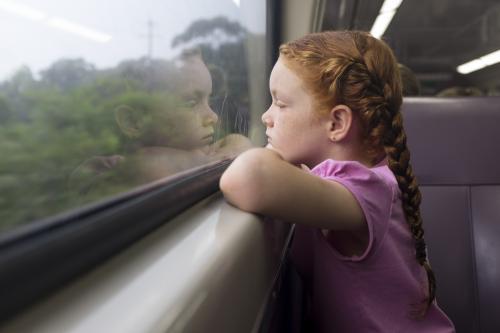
<point x="190" y="123"/>
<point x="292" y="127"/>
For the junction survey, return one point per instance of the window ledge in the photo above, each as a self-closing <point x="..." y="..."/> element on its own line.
<point x="212" y="266"/>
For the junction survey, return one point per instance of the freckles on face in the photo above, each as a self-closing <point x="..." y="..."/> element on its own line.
<point x="284" y="84"/>
<point x="291" y="125"/>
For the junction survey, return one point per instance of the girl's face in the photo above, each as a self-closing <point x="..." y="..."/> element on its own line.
<point x="190" y="124"/>
<point x="293" y="128"/>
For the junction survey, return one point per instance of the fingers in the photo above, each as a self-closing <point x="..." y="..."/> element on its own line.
<point x="305" y="168"/>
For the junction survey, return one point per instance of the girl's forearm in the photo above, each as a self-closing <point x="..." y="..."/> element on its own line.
<point x="244" y="179"/>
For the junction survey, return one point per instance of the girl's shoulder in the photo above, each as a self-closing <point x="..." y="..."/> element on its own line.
<point x="379" y="174"/>
<point x="373" y="186"/>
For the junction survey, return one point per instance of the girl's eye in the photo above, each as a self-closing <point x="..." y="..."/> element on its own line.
<point x="191" y="103"/>
<point x="278" y="103"/>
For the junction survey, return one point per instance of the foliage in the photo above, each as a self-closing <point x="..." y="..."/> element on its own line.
<point x="49" y="127"/>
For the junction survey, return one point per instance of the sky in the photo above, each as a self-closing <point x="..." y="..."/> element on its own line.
<point x="35" y="33"/>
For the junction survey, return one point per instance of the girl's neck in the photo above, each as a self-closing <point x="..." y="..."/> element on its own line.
<point x="355" y="153"/>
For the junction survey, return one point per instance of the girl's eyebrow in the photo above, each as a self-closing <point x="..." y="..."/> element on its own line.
<point x="274" y="92"/>
<point x="195" y="93"/>
<point x="283" y="97"/>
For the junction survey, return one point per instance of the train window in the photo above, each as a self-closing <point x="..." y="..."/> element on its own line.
<point x="446" y="48"/>
<point x="97" y="98"/>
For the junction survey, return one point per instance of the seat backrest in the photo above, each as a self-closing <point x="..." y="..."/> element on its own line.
<point x="455" y="153"/>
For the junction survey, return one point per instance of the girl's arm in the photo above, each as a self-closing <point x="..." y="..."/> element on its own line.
<point x="260" y="181"/>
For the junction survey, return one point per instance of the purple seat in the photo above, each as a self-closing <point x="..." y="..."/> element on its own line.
<point x="455" y="152"/>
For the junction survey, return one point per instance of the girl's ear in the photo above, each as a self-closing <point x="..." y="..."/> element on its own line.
<point x="129" y="121"/>
<point x="340" y="122"/>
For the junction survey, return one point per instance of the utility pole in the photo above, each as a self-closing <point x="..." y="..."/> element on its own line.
<point x="150" y="35"/>
<point x="150" y="39"/>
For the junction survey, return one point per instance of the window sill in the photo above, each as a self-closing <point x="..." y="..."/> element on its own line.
<point x="212" y="266"/>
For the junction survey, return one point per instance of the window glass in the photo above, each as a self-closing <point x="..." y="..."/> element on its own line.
<point x="98" y="97"/>
<point x="446" y="47"/>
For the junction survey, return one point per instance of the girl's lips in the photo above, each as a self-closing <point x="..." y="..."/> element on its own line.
<point x="207" y="140"/>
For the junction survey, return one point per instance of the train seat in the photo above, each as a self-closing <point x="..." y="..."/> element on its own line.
<point x="454" y="144"/>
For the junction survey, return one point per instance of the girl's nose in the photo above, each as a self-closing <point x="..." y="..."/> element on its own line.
<point x="210" y="118"/>
<point x="266" y="119"/>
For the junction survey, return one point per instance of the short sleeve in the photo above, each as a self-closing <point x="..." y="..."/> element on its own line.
<point x="373" y="193"/>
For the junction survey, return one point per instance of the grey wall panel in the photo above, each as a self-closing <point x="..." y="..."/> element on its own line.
<point x="486" y="216"/>
<point x="446" y="219"/>
<point x="454" y="140"/>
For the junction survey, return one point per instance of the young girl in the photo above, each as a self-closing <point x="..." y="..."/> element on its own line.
<point x="337" y="164"/>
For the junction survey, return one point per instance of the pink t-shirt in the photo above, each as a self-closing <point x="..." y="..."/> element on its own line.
<point x="379" y="290"/>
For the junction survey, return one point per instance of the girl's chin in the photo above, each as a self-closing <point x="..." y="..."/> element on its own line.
<point x="271" y="147"/>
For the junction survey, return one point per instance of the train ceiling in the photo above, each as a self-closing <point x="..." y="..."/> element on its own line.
<point x="432" y="37"/>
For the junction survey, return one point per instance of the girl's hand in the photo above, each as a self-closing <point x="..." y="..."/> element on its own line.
<point x="230" y="146"/>
<point x="305" y="168"/>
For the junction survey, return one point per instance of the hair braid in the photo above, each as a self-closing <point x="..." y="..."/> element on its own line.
<point x="399" y="162"/>
<point x="384" y="126"/>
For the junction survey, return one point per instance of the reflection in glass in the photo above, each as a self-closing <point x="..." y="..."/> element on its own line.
<point x="167" y="124"/>
<point x="104" y="106"/>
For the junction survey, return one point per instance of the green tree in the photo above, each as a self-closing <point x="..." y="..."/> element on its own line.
<point x="67" y="74"/>
<point x="5" y="111"/>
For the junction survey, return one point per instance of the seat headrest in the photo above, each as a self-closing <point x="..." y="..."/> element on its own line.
<point x="454" y="141"/>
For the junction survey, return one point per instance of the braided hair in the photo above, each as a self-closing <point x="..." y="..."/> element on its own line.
<point x="355" y="69"/>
